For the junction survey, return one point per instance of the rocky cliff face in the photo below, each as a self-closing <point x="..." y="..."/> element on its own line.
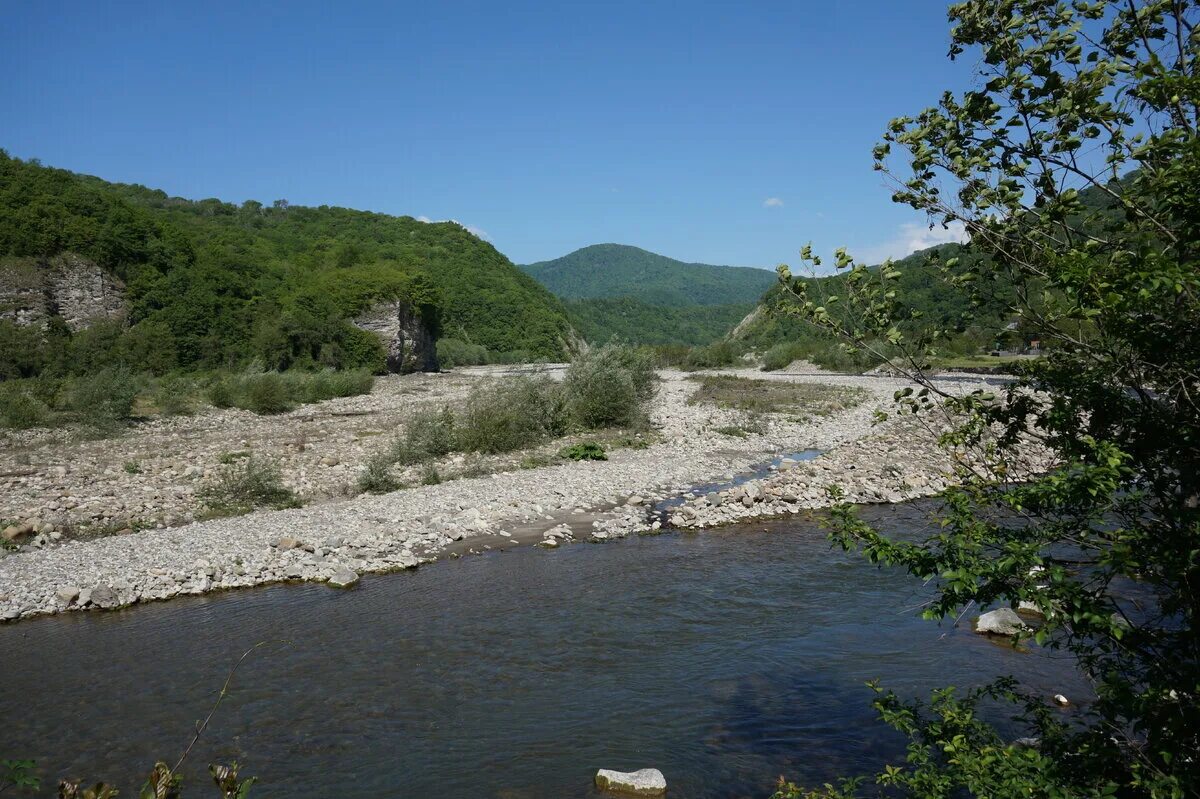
<point x="32" y="290"/>
<point x="409" y="344"/>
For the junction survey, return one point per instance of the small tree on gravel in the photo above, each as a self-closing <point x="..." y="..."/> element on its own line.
<point x="1074" y="166"/>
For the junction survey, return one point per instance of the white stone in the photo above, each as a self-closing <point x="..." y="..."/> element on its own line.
<point x="343" y="577"/>
<point x="1002" y="621"/>
<point x="644" y="782"/>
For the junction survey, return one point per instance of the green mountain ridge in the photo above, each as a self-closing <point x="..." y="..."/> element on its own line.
<point x="224" y="283"/>
<point x="620" y="270"/>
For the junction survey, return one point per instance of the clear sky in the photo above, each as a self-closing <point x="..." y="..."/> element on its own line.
<point x="718" y="132"/>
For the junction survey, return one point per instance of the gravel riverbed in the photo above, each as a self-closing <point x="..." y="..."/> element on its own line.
<point x="335" y="539"/>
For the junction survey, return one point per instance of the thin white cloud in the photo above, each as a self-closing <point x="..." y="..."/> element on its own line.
<point x="474" y="231"/>
<point x="772" y="202"/>
<point x="909" y="238"/>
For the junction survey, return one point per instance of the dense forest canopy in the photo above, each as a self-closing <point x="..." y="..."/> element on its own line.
<point x="631" y="320"/>
<point x="220" y="283"/>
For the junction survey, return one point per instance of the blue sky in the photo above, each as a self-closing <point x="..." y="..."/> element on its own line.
<point x="719" y="132"/>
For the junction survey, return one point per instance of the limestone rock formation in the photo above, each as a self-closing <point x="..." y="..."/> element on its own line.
<point x="409" y="344"/>
<point x="33" y="290"/>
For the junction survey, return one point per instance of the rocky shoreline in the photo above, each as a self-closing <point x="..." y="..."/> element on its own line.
<point x="631" y="492"/>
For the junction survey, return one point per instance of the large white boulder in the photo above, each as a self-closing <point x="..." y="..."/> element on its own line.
<point x="1002" y="621"/>
<point x="646" y="782"/>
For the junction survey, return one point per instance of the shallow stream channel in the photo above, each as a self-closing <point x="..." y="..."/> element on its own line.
<point x="723" y="658"/>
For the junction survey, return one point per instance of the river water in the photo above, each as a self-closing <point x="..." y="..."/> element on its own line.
<point x="723" y="658"/>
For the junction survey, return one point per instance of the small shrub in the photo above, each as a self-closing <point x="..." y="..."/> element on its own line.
<point x="508" y="415"/>
<point x="21" y="410"/>
<point x="174" y="396"/>
<point x="430" y="476"/>
<point x="584" y="451"/>
<point x="713" y="356"/>
<point x="132" y="467"/>
<point x="609" y="387"/>
<point x="452" y="352"/>
<point x="103" y="401"/>
<point x="351" y="383"/>
<point x="220" y="393"/>
<point x="429" y="434"/>
<point x="248" y="484"/>
<point x="376" y="476"/>
<point x="233" y="457"/>
<point x="266" y="393"/>
<point x="535" y="461"/>
<point x="782" y="356"/>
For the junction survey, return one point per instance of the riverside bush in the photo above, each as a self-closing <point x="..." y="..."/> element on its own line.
<point x="609" y="387"/>
<point x="453" y="352"/>
<point x="20" y="409"/>
<point x="781" y="356"/>
<point x="429" y="434"/>
<point x="376" y="476"/>
<point x="247" y="484"/>
<point x="278" y="392"/>
<point x="103" y="400"/>
<point x="510" y="415"/>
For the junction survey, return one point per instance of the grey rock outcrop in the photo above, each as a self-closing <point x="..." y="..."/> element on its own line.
<point x="67" y="285"/>
<point x="409" y="343"/>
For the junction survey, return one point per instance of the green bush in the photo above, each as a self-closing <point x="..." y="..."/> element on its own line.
<point x="609" y="387"/>
<point x="428" y="434"/>
<point x="266" y="393"/>
<point x="584" y="451"/>
<point x="247" y="484"/>
<point x="174" y="395"/>
<point x="508" y="415"/>
<point x="277" y="392"/>
<point x="714" y="356"/>
<point x="104" y="400"/>
<point x="20" y="409"/>
<point x="453" y="352"/>
<point x="376" y="476"/>
<point x="781" y="356"/>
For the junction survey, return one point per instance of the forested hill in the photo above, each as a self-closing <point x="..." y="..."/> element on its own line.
<point x="227" y="283"/>
<point x="618" y="270"/>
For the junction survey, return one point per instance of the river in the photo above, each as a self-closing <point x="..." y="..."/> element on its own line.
<point x="723" y="658"/>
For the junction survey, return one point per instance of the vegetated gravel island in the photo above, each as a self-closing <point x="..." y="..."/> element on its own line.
<point x="119" y="521"/>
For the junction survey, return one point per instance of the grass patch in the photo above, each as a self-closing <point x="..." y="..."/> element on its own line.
<point x="774" y="396"/>
<point x="246" y="485"/>
<point x="278" y="392"/>
<point x="584" y="451"/>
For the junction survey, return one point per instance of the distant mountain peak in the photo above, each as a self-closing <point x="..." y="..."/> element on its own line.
<point x="622" y="270"/>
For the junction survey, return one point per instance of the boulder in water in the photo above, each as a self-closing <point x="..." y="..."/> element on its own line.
<point x="646" y="782"/>
<point x="343" y="577"/>
<point x="1002" y="621"/>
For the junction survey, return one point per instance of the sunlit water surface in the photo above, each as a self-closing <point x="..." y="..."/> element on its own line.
<point x="722" y="658"/>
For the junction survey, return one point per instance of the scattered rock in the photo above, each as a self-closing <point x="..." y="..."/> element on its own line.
<point x="68" y="594"/>
<point x="1002" y="621"/>
<point x="1061" y="700"/>
<point x="343" y="577"/>
<point x="286" y="542"/>
<point x="103" y="596"/>
<point x="15" y="532"/>
<point x="635" y="500"/>
<point x="646" y="782"/>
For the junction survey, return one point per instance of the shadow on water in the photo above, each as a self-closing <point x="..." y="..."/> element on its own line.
<point x="724" y="659"/>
